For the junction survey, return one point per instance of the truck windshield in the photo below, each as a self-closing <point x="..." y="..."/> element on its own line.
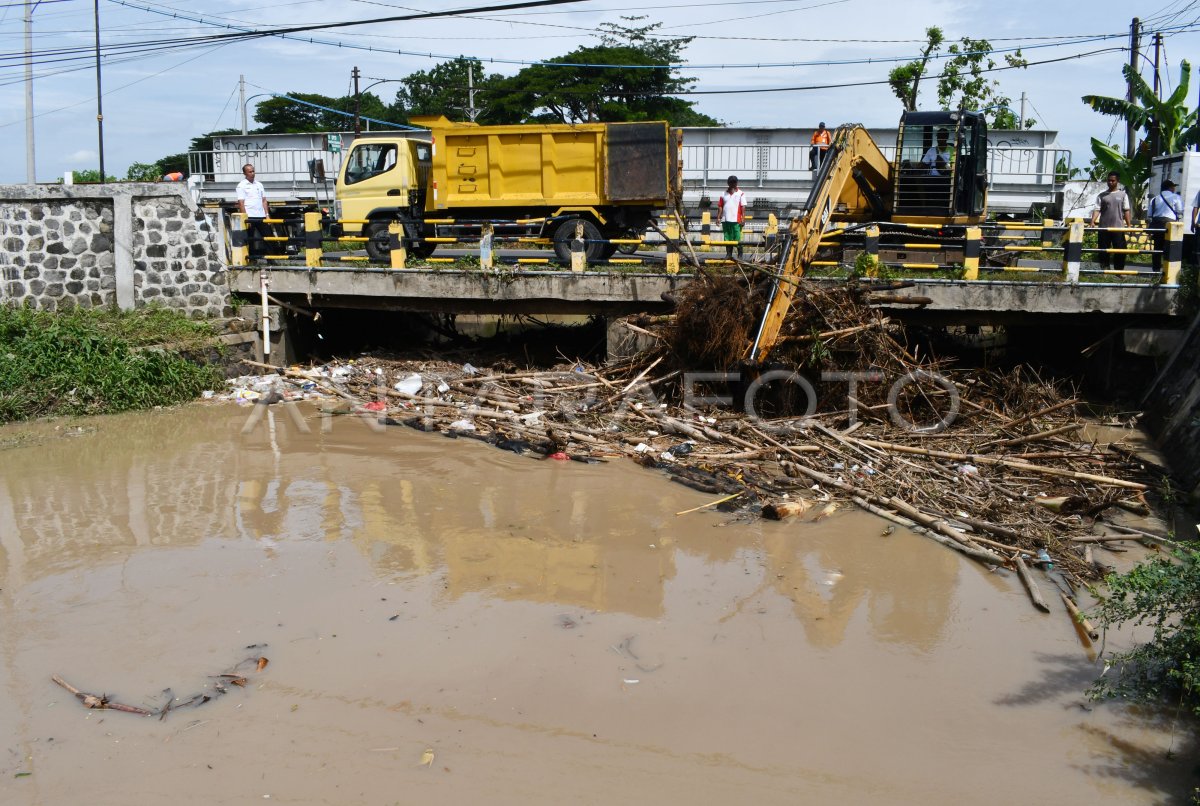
<point x="370" y="160"/>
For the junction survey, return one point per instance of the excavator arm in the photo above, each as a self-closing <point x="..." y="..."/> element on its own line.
<point x="854" y="181"/>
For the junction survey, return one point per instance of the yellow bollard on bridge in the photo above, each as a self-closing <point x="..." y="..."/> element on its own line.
<point x="1173" y="258"/>
<point x="239" y="245"/>
<point x="1073" y="250"/>
<point x="972" y="249"/>
<point x="312" y="240"/>
<point x="398" y="253"/>
<point x="672" y="233"/>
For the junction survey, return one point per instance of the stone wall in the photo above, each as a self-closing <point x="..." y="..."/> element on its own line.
<point x="127" y="245"/>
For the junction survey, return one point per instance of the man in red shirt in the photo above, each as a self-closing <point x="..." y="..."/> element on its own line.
<point x="731" y="210"/>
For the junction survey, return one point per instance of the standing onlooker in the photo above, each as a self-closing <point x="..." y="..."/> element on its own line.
<point x="820" y="141"/>
<point x="1112" y="210"/>
<point x="252" y="202"/>
<point x="1165" y="208"/>
<point x="731" y="209"/>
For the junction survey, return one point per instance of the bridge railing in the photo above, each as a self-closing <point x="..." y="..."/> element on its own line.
<point x="774" y="165"/>
<point x="971" y="253"/>
<point x="290" y="168"/>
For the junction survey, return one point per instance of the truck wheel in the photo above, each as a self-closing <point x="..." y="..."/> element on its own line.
<point x="379" y="244"/>
<point x="566" y="233"/>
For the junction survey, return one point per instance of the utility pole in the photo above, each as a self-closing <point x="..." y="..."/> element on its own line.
<point x="242" y="100"/>
<point x="357" y="103"/>
<point x="471" y="110"/>
<point x="1021" y="118"/>
<point x="30" y="164"/>
<point x="1156" y="134"/>
<point x="1130" y="129"/>
<point x="99" y="93"/>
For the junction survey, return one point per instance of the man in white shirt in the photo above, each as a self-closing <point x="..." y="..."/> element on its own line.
<point x="252" y="202"/>
<point x="1165" y="208"/>
<point x="937" y="158"/>
<point x="731" y="209"/>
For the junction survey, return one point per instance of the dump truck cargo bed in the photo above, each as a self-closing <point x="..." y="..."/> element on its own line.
<point x="553" y="165"/>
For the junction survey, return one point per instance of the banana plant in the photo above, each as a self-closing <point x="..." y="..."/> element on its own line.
<point x="1169" y="118"/>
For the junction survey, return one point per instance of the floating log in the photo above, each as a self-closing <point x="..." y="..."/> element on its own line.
<point x="1035" y="593"/>
<point x="1078" y="616"/>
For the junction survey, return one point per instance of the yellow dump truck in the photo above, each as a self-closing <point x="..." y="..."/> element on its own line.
<point x="531" y="178"/>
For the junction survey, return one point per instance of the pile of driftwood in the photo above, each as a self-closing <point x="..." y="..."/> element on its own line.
<point x="993" y="464"/>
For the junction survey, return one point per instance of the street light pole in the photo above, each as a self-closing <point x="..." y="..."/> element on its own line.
<point x="99" y="93"/>
<point x="242" y="100"/>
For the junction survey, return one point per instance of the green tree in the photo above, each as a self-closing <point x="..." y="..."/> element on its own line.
<point x="444" y="90"/>
<point x="905" y="80"/>
<point x="640" y="91"/>
<point x="962" y="82"/>
<point x="142" y="172"/>
<point x="964" y="85"/>
<point x="1164" y="594"/>
<point x="90" y="176"/>
<point x="1167" y="125"/>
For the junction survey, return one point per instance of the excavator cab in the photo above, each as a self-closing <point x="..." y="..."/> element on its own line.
<point x="940" y="168"/>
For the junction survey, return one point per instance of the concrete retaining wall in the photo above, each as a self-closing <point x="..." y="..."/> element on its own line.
<point x="127" y="245"/>
<point x="1173" y="410"/>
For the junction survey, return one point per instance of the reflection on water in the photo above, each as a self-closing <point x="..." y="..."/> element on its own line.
<point x="490" y="521"/>
<point x="534" y="621"/>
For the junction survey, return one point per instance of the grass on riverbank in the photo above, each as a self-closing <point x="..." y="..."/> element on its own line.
<point x="97" y="361"/>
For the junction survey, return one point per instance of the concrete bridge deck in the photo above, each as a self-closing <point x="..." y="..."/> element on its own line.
<point x="625" y="292"/>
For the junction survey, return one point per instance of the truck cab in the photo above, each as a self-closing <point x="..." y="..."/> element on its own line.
<point x="383" y="179"/>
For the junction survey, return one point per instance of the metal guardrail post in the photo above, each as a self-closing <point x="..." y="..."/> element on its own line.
<point x="1174" y="253"/>
<point x="771" y="233"/>
<point x="972" y="249"/>
<point x="871" y="247"/>
<point x="705" y="231"/>
<point x="1073" y="250"/>
<point x="396" y="250"/>
<point x="239" y="245"/>
<point x="312" y="240"/>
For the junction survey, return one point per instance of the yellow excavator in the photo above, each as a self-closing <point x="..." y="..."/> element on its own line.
<point x="936" y="178"/>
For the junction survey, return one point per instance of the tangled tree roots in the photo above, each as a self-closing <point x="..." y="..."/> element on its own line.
<point x="713" y="323"/>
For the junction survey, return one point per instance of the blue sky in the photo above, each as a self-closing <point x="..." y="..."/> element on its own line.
<point x="157" y="96"/>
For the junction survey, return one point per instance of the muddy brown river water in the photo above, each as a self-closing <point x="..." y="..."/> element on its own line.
<point x="447" y="623"/>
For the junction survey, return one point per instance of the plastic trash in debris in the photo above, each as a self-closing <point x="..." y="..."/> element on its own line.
<point x="307" y="386"/>
<point x="667" y="456"/>
<point x="375" y="405"/>
<point x="683" y="448"/>
<point x="1044" y="559"/>
<point x="245" y="394"/>
<point x="579" y="367"/>
<point x="470" y="370"/>
<point x="838" y="466"/>
<point x="531" y="418"/>
<point x="207" y="394"/>
<point x="559" y="456"/>
<point x="462" y="425"/>
<point x="443" y="387"/>
<point x="410" y="385"/>
<point x="642" y="447"/>
<point x="968" y="470"/>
